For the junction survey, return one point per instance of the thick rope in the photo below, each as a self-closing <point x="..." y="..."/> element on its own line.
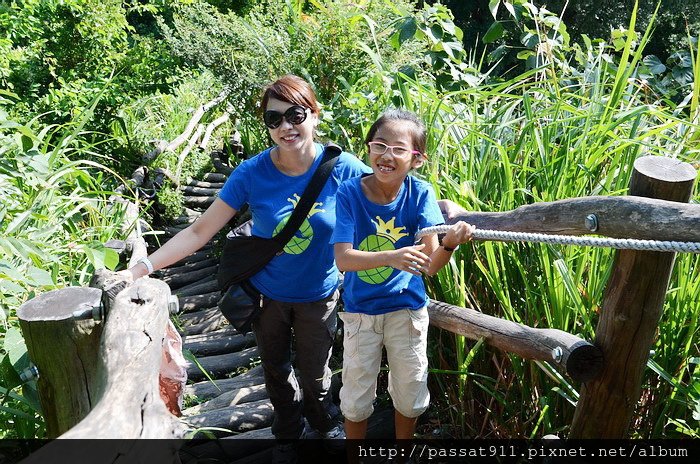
<point x="619" y="243"/>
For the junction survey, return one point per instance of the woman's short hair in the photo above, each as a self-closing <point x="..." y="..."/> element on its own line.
<point x="291" y="89"/>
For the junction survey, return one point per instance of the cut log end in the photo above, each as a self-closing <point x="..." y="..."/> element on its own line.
<point x="665" y="169"/>
<point x="58" y="305"/>
<point x="585" y="362"/>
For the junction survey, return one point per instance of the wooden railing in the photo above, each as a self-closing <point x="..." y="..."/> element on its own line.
<point x="656" y="209"/>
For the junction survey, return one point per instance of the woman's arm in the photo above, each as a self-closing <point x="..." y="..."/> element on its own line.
<point x="410" y="259"/>
<point x="189" y="240"/>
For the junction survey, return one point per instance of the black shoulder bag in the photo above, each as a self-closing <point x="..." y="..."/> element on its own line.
<point x="244" y="255"/>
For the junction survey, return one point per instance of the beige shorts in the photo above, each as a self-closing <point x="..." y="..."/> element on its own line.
<point x="404" y="333"/>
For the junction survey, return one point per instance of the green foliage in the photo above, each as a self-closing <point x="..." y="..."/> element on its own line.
<point x="321" y="41"/>
<point x="443" y="49"/>
<point x="596" y="19"/>
<point x="61" y="55"/>
<point x="522" y="30"/>
<point x="163" y="117"/>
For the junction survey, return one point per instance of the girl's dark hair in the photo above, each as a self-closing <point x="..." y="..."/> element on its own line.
<point x="419" y="133"/>
<point x="291" y="89"/>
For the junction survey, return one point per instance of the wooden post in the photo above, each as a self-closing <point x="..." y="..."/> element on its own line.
<point x="65" y="350"/>
<point x="630" y="313"/>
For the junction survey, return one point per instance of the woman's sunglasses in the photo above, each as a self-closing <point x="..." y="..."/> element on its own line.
<point x="294" y="115"/>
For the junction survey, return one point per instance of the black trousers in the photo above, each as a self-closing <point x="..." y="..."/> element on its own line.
<point x="305" y="393"/>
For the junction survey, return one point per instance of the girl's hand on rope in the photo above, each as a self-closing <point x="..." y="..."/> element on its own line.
<point x="459" y="233"/>
<point x="409" y="259"/>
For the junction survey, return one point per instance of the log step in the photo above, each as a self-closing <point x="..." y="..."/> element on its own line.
<point x="214" y="177"/>
<point x="207" y="389"/>
<point x="193" y="303"/>
<point x="222" y="364"/>
<point x="178" y="281"/>
<point x="229" y="399"/>
<point x="203" y="184"/>
<point x="197" y="317"/>
<point x="220" y="344"/>
<point x="214" y="335"/>
<point x="200" y="191"/>
<point x="211" y="325"/>
<point x="198" y="202"/>
<point x="239" y="418"/>
<point x="206" y="285"/>
<point x="168" y="272"/>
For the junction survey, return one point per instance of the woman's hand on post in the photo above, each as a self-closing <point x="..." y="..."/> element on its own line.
<point x="135" y="272"/>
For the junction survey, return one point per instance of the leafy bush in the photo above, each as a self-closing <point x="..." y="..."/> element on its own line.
<point x="322" y="41"/>
<point x="63" y="55"/>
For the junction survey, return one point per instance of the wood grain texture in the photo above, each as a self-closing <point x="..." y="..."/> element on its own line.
<point x="578" y="358"/>
<point x="618" y="217"/>
<point x="64" y="350"/>
<point x="130" y="405"/>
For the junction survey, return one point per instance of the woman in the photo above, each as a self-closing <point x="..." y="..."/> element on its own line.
<point x="302" y="283"/>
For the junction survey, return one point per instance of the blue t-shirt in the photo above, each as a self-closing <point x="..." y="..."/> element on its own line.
<point x="372" y="227"/>
<point x="306" y="270"/>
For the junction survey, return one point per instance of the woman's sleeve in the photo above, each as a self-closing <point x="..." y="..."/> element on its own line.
<point x="236" y="190"/>
<point x="344" y="230"/>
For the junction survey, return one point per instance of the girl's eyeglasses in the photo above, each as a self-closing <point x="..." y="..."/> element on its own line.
<point x="379" y="148"/>
<point x="294" y="115"/>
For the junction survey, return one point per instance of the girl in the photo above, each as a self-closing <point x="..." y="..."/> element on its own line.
<point x="377" y="216"/>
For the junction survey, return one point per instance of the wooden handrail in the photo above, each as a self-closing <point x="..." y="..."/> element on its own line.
<point x="581" y="360"/>
<point x="130" y="356"/>
<point x="632" y="306"/>
<point x="618" y="217"/>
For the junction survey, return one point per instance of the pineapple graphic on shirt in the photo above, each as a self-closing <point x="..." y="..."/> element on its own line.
<point x="301" y="239"/>
<point x="385" y="239"/>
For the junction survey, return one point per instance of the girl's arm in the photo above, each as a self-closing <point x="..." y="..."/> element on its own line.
<point x="410" y="259"/>
<point x="189" y="240"/>
<point x="460" y="232"/>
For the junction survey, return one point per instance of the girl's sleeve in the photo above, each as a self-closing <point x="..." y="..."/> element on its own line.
<point x="429" y="213"/>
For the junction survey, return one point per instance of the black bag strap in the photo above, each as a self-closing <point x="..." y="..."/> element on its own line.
<point x="308" y="198"/>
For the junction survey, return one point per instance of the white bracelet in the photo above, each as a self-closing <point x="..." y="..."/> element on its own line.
<point x="146" y="262"/>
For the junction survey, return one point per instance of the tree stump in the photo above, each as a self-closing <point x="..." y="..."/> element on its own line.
<point x="129" y="360"/>
<point x="65" y="350"/>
